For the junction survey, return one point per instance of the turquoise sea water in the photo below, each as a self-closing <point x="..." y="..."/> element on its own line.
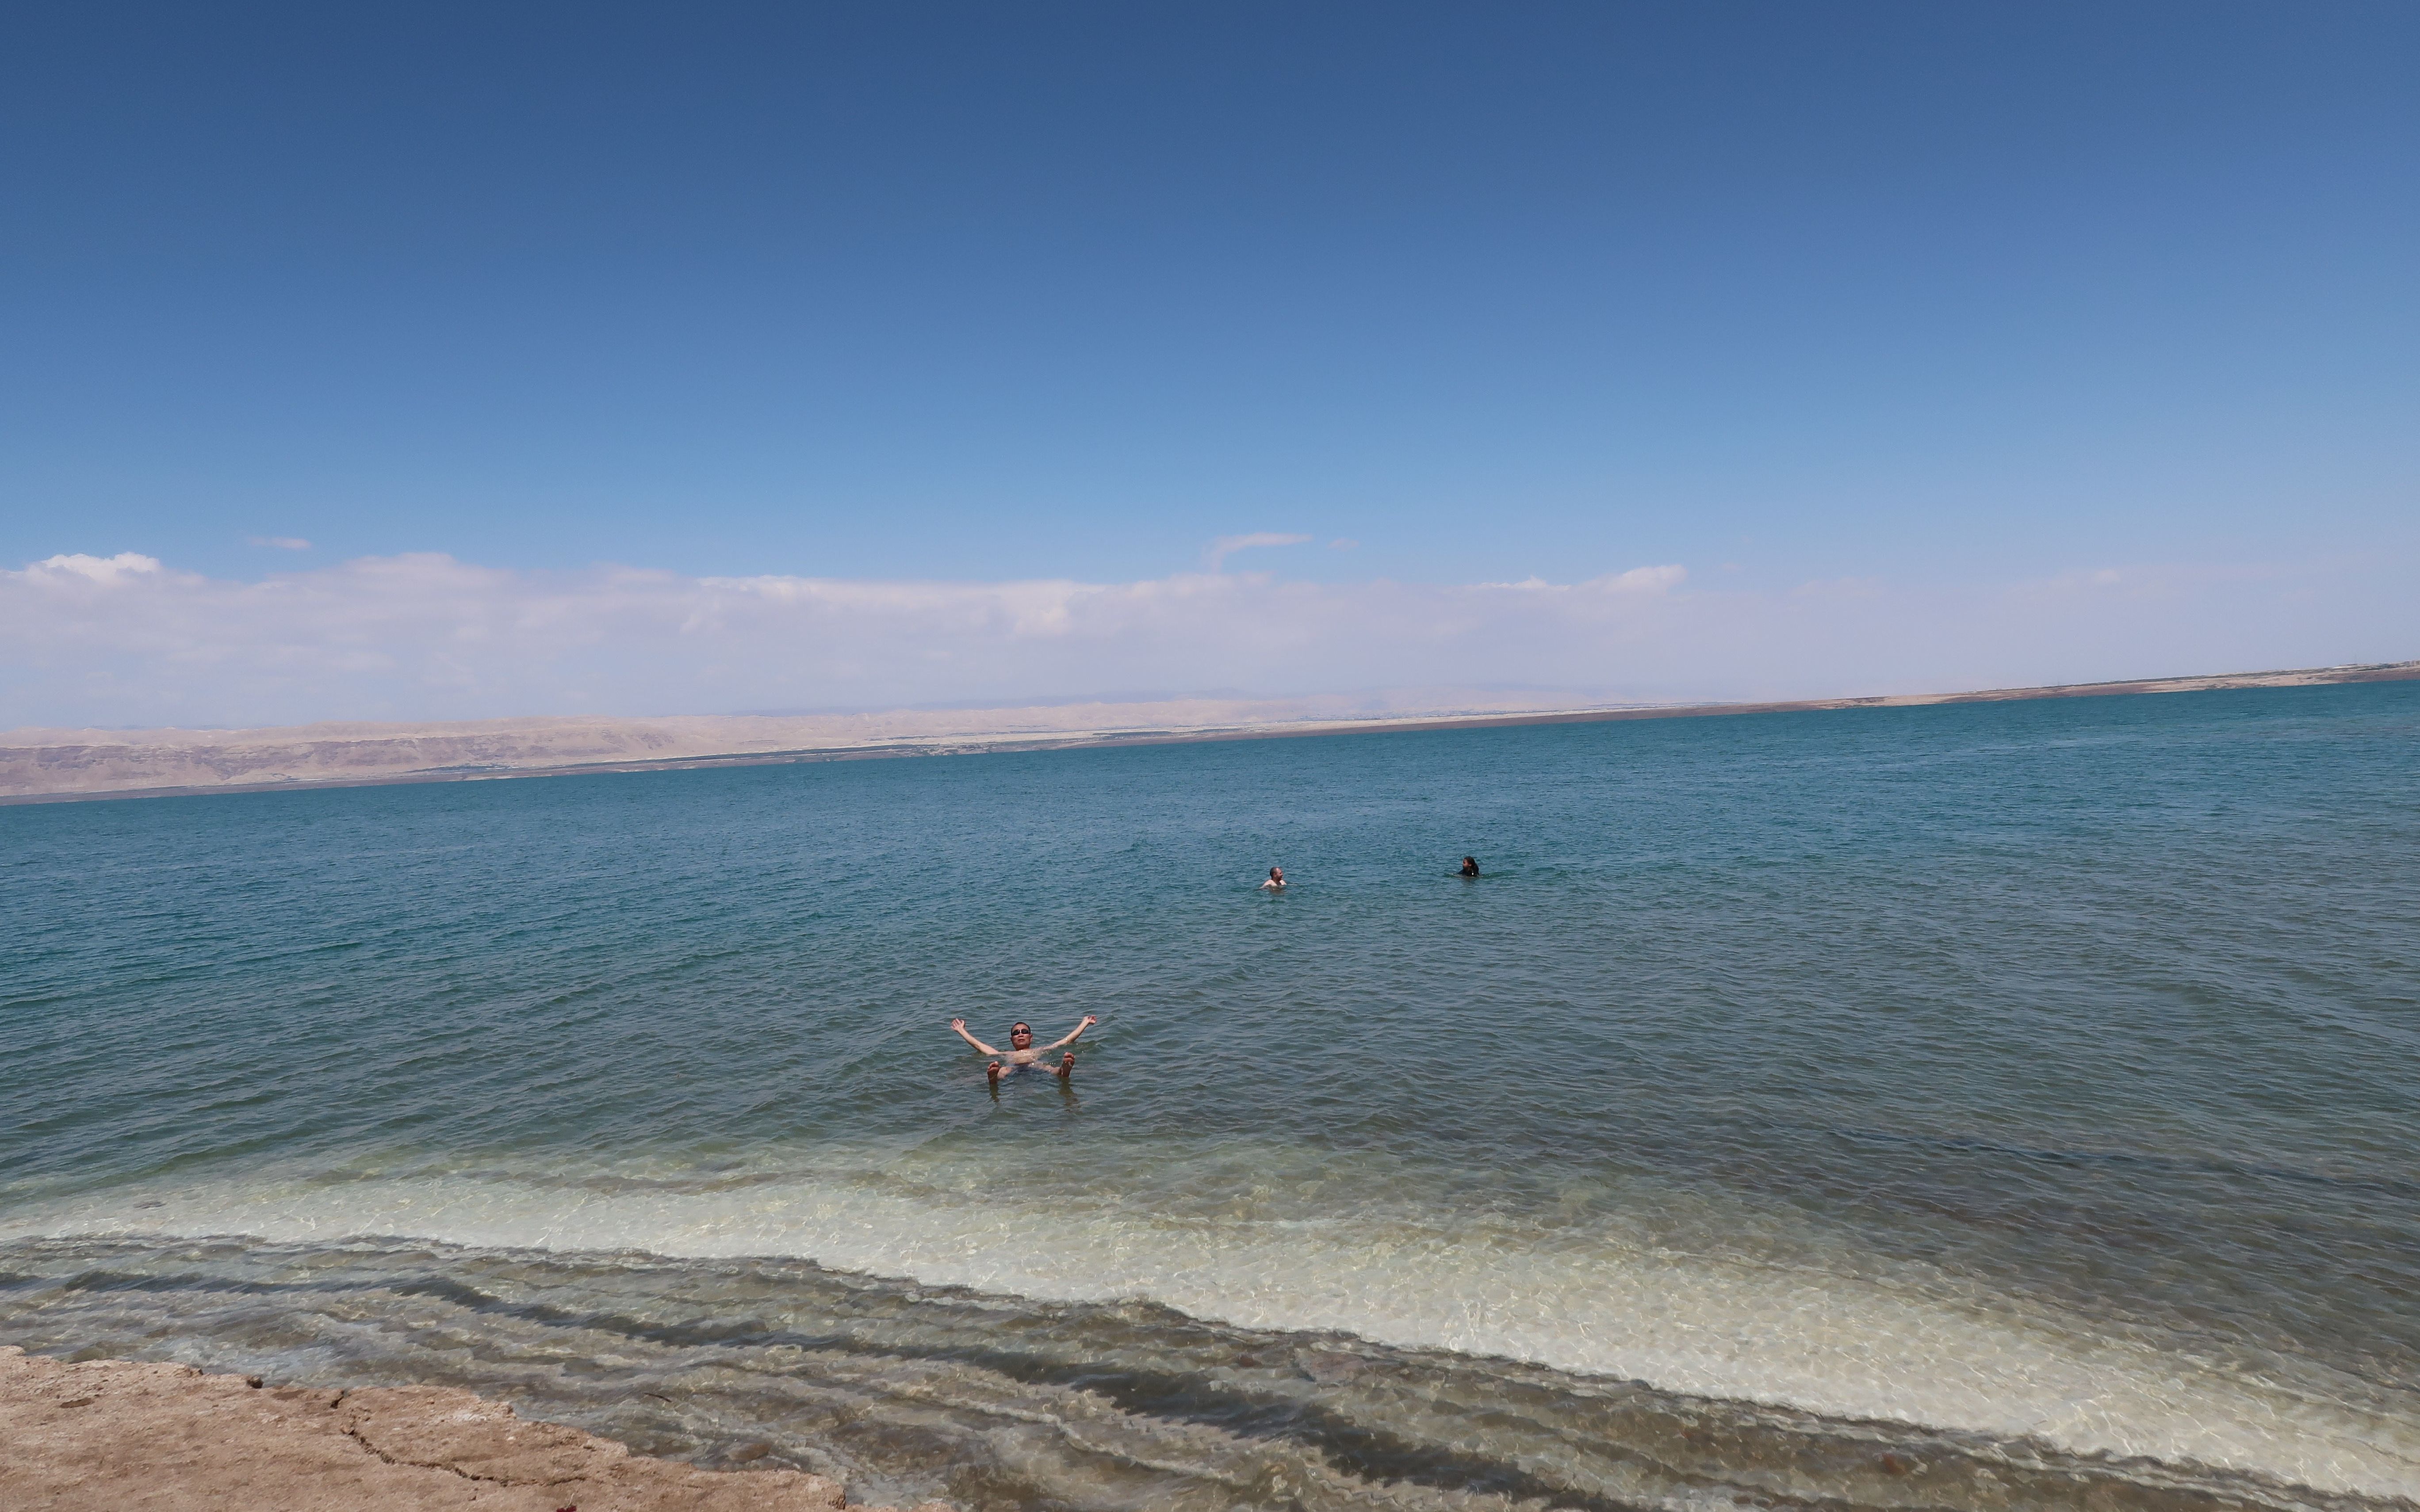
<point x="1984" y="1106"/>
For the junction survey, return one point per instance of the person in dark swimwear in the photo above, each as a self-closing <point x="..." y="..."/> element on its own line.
<point x="1021" y="1052"/>
<point x="1470" y="866"/>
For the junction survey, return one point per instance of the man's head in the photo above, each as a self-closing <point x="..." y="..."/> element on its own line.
<point x="1021" y="1036"/>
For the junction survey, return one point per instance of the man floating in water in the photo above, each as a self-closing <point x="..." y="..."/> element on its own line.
<point x="1276" y="880"/>
<point x="1021" y="1052"/>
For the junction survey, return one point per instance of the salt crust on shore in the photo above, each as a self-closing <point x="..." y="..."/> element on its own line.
<point x="119" y="1435"/>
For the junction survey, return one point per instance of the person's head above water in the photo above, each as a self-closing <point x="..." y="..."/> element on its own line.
<point x="1276" y="873"/>
<point x="1022" y="1051"/>
<point x="1470" y="866"/>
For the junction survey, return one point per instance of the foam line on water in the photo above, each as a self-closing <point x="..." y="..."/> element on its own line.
<point x="1579" y="1299"/>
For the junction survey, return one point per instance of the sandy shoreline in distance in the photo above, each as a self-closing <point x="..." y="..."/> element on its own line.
<point x="110" y="1434"/>
<point x="51" y="765"/>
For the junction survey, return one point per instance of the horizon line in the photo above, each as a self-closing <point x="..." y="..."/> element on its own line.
<point x="27" y="761"/>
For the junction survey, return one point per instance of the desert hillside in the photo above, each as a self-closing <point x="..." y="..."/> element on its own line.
<point x="55" y="763"/>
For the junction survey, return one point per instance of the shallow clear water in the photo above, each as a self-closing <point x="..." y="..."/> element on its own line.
<point x="1977" y="1107"/>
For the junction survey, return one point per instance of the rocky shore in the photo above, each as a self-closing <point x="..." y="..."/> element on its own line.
<point x="118" y="1435"/>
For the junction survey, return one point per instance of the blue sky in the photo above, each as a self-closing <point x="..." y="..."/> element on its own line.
<point x="1937" y="299"/>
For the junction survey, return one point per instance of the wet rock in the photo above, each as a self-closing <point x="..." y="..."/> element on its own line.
<point x="166" y="1436"/>
<point x="1330" y="1367"/>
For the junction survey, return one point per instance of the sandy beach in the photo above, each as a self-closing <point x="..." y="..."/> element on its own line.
<point x="38" y="765"/>
<point x="114" y="1433"/>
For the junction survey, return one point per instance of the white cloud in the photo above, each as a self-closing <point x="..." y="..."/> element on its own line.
<point x="1227" y="546"/>
<point x="123" y="640"/>
<point x="109" y="571"/>
<point x="1636" y="580"/>
<point x="283" y="543"/>
<point x="1643" y="580"/>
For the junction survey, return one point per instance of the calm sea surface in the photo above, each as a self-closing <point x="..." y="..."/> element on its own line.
<point x="2005" y="1105"/>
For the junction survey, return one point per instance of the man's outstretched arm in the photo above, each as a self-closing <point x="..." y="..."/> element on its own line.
<point x="960" y="1025"/>
<point x="1089" y="1022"/>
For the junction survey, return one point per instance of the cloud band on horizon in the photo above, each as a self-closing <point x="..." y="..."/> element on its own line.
<point x="127" y="639"/>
